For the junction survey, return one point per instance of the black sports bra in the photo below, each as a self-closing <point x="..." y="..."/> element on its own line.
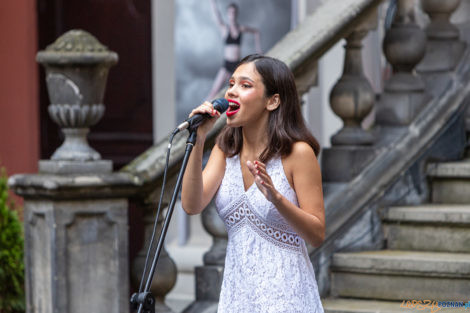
<point x="233" y="40"/>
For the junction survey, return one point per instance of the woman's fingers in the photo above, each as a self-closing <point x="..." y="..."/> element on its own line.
<point x="262" y="179"/>
<point x="258" y="170"/>
<point x="205" y="108"/>
<point x="251" y="167"/>
<point x="259" y="165"/>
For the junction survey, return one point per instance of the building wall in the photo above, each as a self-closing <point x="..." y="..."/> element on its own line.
<point x="19" y="132"/>
<point x="163" y="68"/>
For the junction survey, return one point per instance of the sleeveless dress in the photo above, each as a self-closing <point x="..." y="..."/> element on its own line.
<point x="267" y="268"/>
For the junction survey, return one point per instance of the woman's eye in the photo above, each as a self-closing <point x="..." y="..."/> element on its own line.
<point x="246" y="86"/>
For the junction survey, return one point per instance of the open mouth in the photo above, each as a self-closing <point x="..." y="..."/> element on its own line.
<point x="233" y="107"/>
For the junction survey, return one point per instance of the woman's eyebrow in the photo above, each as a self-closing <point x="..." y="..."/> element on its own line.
<point x="243" y="78"/>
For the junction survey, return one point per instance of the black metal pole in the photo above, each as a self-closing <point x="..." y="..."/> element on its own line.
<point x="143" y="298"/>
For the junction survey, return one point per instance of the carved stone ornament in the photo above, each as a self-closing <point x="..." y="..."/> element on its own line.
<point x="77" y="67"/>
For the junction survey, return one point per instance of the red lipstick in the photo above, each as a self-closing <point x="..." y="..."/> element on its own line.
<point x="233" y="108"/>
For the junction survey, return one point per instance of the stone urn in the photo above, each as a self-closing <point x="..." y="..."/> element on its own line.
<point x="77" y="67"/>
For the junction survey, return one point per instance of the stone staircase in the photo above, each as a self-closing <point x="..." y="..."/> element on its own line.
<point x="426" y="255"/>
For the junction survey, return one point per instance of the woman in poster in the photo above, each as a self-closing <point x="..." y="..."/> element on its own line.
<point x="232" y="34"/>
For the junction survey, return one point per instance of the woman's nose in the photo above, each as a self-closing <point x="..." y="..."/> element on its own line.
<point x="232" y="91"/>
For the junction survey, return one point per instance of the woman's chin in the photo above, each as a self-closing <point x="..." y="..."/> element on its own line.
<point x="231" y="122"/>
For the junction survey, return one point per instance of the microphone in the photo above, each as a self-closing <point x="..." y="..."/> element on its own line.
<point x="194" y="121"/>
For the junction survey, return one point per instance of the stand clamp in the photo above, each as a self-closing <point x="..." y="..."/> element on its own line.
<point x="144" y="299"/>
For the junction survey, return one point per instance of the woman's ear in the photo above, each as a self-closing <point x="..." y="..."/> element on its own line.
<point x="273" y="102"/>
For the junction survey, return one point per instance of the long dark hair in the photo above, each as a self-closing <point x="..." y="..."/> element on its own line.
<point x="285" y="124"/>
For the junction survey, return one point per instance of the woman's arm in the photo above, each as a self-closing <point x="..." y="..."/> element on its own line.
<point x="307" y="219"/>
<point x="218" y="18"/>
<point x="257" y="35"/>
<point x="199" y="186"/>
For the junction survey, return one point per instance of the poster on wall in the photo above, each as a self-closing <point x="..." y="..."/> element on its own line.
<point x="211" y="36"/>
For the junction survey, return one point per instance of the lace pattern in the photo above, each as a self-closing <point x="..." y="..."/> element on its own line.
<point x="242" y="214"/>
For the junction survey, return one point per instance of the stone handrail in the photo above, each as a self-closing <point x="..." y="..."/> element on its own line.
<point x="392" y="160"/>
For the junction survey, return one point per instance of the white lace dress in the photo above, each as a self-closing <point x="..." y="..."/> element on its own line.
<point x="267" y="268"/>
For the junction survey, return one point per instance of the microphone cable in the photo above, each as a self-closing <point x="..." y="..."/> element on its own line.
<point x="159" y="208"/>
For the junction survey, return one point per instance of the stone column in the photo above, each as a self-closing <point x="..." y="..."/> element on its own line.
<point x="209" y="276"/>
<point x="352" y="99"/>
<point x="165" y="273"/>
<point x="76" y="246"/>
<point x="443" y="48"/>
<point x="404" y="45"/>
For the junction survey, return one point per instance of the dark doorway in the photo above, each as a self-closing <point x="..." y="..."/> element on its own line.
<point x="124" y="26"/>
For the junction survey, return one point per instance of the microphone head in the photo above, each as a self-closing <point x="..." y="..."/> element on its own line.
<point x="220" y="104"/>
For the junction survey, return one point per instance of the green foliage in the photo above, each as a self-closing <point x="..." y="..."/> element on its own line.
<point x="12" y="298"/>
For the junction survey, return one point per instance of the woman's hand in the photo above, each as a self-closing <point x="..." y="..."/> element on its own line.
<point x="206" y="126"/>
<point x="263" y="180"/>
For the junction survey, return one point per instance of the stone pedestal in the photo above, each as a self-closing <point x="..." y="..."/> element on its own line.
<point x="75" y="219"/>
<point x="343" y="163"/>
<point x="76" y="242"/>
<point x="400" y="107"/>
<point x="76" y="256"/>
<point x="209" y="282"/>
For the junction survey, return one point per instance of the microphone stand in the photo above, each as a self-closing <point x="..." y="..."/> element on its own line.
<point x="145" y="301"/>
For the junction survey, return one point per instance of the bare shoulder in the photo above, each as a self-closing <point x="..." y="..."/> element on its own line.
<point x="301" y="160"/>
<point x="301" y="152"/>
<point x="303" y="149"/>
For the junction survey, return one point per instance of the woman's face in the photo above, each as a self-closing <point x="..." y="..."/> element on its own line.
<point x="232" y="14"/>
<point x="246" y="96"/>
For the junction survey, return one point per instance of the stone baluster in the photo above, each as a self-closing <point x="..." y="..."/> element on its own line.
<point x="76" y="246"/>
<point x="209" y="276"/>
<point x="165" y="273"/>
<point x="404" y="46"/>
<point x="352" y="99"/>
<point x="443" y="48"/>
<point x="216" y="228"/>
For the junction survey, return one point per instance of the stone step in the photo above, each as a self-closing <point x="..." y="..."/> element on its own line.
<point x="374" y="306"/>
<point x="450" y="182"/>
<point x="432" y="227"/>
<point x="399" y="275"/>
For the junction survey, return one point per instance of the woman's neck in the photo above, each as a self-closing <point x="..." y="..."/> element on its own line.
<point x="255" y="140"/>
<point x="233" y="25"/>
